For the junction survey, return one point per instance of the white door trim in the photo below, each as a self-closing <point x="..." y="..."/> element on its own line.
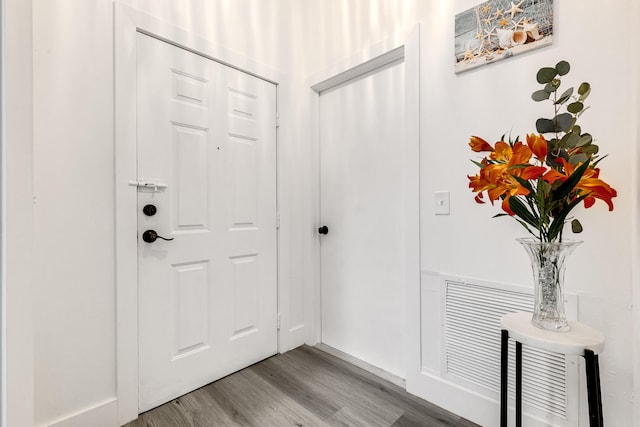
<point x="128" y="22"/>
<point x="402" y="46"/>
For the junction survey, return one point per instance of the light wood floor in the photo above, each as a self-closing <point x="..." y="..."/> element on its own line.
<point x="304" y="387"/>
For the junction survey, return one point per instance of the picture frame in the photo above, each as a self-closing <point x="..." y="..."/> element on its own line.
<point x="498" y="29"/>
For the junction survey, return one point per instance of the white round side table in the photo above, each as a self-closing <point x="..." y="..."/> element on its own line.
<point x="580" y="340"/>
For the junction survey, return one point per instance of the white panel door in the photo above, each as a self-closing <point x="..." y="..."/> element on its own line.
<point x="362" y="204"/>
<point x="208" y="298"/>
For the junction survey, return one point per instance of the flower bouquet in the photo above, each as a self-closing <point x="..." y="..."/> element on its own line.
<point x="540" y="181"/>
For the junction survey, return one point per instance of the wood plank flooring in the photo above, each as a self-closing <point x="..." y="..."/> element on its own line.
<point x="304" y="387"/>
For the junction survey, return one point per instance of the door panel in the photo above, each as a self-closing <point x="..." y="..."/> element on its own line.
<point x="362" y="204"/>
<point x="208" y="298"/>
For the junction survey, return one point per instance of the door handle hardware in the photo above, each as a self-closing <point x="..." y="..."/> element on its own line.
<point x="151" y="236"/>
<point x="149" y="185"/>
<point x="323" y="230"/>
<point x="149" y="210"/>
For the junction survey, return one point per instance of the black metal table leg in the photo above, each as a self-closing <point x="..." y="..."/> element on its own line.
<point x="518" y="384"/>
<point x="593" y="389"/>
<point x="504" y="376"/>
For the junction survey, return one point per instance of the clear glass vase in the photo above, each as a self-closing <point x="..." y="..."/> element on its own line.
<point x="548" y="265"/>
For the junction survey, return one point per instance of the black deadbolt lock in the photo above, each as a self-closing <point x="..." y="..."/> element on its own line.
<point x="149" y="210"/>
<point x="151" y="236"/>
<point x="323" y="230"/>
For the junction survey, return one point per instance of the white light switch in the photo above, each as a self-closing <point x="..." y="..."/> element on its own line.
<point x="441" y="206"/>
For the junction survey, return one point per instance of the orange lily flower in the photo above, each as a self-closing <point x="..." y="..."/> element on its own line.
<point x="502" y="152"/>
<point x="521" y="156"/>
<point x="590" y="183"/>
<point x="593" y="186"/>
<point x="479" y="183"/>
<point x="536" y="173"/>
<point x="499" y="179"/>
<point x="478" y="144"/>
<point x="553" y="175"/>
<point x="538" y="145"/>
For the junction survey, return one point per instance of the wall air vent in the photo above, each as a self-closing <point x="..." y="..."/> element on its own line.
<point x="472" y="348"/>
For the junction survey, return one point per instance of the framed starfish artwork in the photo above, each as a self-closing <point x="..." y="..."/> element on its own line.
<point x="499" y="29"/>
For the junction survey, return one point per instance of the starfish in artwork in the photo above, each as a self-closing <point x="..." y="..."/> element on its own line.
<point x="515" y="8"/>
<point x="525" y="21"/>
<point x="490" y="33"/>
<point x="486" y="44"/>
<point x="517" y="24"/>
<point x="487" y="20"/>
<point x="503" y="22"/>
<point x="487" y="48"/>
<point x="469" y="54"/>
<point x="486" y="8"/>
<point x="499" y="13"/>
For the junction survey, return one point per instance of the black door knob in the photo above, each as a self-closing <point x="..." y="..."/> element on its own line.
<point x="151" y="236"/>
<point x="149" y="210"/>
<point x="323" y="230"/>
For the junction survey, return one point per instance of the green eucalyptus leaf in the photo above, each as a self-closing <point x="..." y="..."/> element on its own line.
<point x="585" y="139"/>
<point x="540" y="95"/>
<point x="546" y="74"/>
<point x="563" y="122"/>
<point x="563" y="67"/>
<point x="578" y="158"/>
<point x="584" y="88"/>
<point x="576" y="227"/>
<point x="570" y="140"/>
<point x="590" y="149"/>
<point x="575" y="107"/>
<point x="545" y="126"/>
<point x="498" y="215"/>
<point x="564" y="97"/>
<point x="553" y="158"/>
<point x="552" y="86"/>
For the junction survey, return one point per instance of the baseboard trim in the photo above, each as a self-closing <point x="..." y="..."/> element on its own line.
<point x="103" y="414"/>
<point x="400" y="382"/>
<point x="297" y="336"/>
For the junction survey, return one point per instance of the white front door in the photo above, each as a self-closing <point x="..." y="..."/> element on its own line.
<point x="207" y="152"/>
<point x="362" y="200"/>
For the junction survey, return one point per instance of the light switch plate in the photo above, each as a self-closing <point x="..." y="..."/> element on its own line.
<point x="441" y="205"/>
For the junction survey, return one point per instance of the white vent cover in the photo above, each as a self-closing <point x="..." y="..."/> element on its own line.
<point x="472" y="347"/>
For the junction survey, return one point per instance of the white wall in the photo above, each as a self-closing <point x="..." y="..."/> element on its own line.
<point x="74" y="282"/>
<point x="73" y="191"/>
<point x="73" y="264"/>
<point x="19" y="214"/>
<point x="495" y="99"/>
<point x="490" y="101"/>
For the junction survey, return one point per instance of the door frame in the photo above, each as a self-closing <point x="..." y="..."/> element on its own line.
<point x="404" y="45"/>
<point x="128" y="22"/>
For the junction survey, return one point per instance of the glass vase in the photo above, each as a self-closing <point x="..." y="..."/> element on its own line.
<point x="548" y="265"/>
